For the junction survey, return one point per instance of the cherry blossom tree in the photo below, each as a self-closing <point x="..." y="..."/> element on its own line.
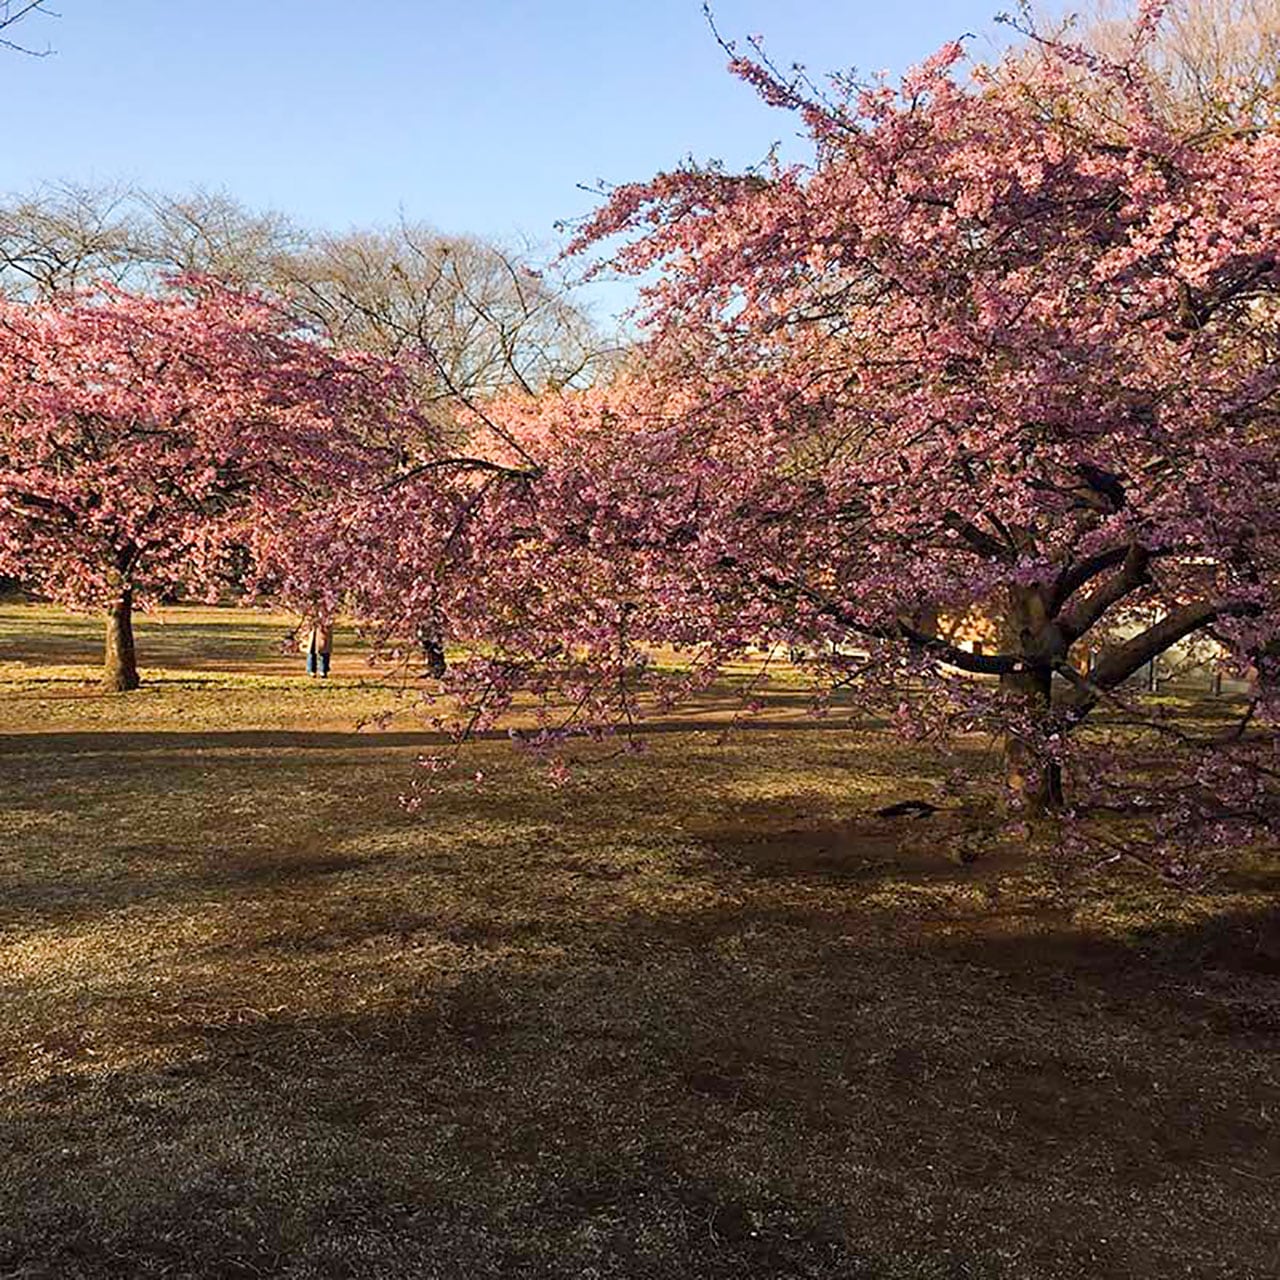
<point x="140" y="434"/>
<point x="1008" y="343"/>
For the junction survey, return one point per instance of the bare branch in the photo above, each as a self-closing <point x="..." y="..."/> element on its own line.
<point x="11" y="15"/>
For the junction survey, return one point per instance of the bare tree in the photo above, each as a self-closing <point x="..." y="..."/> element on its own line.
<point x="66" y="236"/>
<point x="212" y="233"/>
<point x="11" y="14"/>
<point x="476" y="317"/>
<point x="466" y="317"/>
<point x="1217" y="61"/>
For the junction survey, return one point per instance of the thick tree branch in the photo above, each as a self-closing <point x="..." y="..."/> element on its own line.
<point x="465" y="464"/>
<point x="1117" y="664"/>
<point x="983" y="664"/>
<point x="977" y="539"/>
<point x="1079" y="574"/>
<point x="1132" y="575"/>
<point x="986" y="664"/>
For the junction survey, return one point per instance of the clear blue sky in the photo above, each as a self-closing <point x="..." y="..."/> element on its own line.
<point x="474" y="115"/>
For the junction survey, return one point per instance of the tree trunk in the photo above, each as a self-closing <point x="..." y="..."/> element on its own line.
<point x="120" y="664"/>
<point x="1033" y="782"/>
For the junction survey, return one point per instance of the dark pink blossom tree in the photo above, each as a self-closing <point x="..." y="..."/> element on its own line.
<point x="1009" y="342"/>
<point x="143" y="438"/>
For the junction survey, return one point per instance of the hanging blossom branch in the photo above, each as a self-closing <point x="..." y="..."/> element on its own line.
<point x="993" y="356"/>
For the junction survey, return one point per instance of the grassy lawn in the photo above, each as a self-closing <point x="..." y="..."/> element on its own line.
<point x="699" y="1015"/>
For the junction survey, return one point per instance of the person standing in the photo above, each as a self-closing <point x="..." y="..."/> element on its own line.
<point x="432" y="651"/>
<point x="319" y="649"/>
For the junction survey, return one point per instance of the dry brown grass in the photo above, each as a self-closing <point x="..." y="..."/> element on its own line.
<point x="700" y="1017"/>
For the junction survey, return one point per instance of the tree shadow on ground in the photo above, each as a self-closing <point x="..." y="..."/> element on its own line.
<point x="267" y="1025"/>
<point x="82" y="742"/>
<point x="733" y="1092"/>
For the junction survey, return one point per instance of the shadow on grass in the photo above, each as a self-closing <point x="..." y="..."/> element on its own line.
<point x="267" y="1025"/>
<point x="174" y="645"/>
<point x="785" y="1107"/>
<point x="306" y="740"/>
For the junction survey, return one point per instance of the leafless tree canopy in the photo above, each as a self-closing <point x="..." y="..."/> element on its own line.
<point x="469" y="317"/>
<point x="66" y="237"/>
<point x="483" y="318"/>
<point x="1217" y="60"/>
